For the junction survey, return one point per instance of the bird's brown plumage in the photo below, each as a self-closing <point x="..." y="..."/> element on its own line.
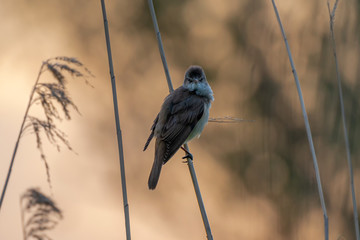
<point x="179" y="114"/>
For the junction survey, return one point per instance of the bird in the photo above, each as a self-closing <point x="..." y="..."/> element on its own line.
<point x="182" y="117"/>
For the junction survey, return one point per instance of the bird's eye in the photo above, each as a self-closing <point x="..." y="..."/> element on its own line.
<point x="201" y="79"/>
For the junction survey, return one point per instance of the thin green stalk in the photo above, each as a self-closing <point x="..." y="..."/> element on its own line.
<point x="347" y="145"/>
<point x="189" y="161"/>
<point x="307" y="126"/>
<point x="117" y="121"/>
<point x="19" y="137"/>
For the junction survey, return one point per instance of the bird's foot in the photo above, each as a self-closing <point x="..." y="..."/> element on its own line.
<point x="188" y="155"/>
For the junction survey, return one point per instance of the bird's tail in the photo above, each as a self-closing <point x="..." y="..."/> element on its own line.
<point x="154" y="174"/>
<point x="158" y="162"/>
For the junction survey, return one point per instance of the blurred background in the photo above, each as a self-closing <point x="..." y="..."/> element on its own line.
<point x="257" y="178"/>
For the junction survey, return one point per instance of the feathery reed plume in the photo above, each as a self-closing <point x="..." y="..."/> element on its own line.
<point x="347" y="145"/>
<point x="117" y="121"/>
<point x="307" y="125"/>
<point x="189" y="160"/>
<point x="49" y="95"/>
<point x="39" y="214"/>
<point x="228" y="119"/>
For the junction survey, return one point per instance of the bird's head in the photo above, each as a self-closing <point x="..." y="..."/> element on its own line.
<point x="195" y="81"/>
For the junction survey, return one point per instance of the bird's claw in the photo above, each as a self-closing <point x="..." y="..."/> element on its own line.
<point x="189" y="155"/>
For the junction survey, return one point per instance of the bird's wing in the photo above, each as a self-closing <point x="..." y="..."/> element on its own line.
<point x="185" y="111"/>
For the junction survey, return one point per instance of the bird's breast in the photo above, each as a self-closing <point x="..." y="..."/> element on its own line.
<point x="201" y="123"/>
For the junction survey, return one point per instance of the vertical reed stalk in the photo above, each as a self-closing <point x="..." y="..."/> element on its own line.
<point x="307" y="126"/>
<point x="347" y="145"/>
<point x="117" y="121"/>
<point x="189" y="161"/>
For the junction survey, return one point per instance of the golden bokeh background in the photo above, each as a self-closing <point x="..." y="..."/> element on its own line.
<point x="257" y="178"/>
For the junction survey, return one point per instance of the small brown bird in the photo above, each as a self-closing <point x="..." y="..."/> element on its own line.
<point x="182" y="117"/>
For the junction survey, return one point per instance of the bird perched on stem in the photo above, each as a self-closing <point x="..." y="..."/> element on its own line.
<point x="182" y="117"/>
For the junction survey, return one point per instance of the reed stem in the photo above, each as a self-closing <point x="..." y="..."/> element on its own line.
<point x="19" y="137"/>
<point x="189" y="161"/>
<point x="117" y="121"/>
<point x="342" y="108"/>
<point x="307" y="125"/>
